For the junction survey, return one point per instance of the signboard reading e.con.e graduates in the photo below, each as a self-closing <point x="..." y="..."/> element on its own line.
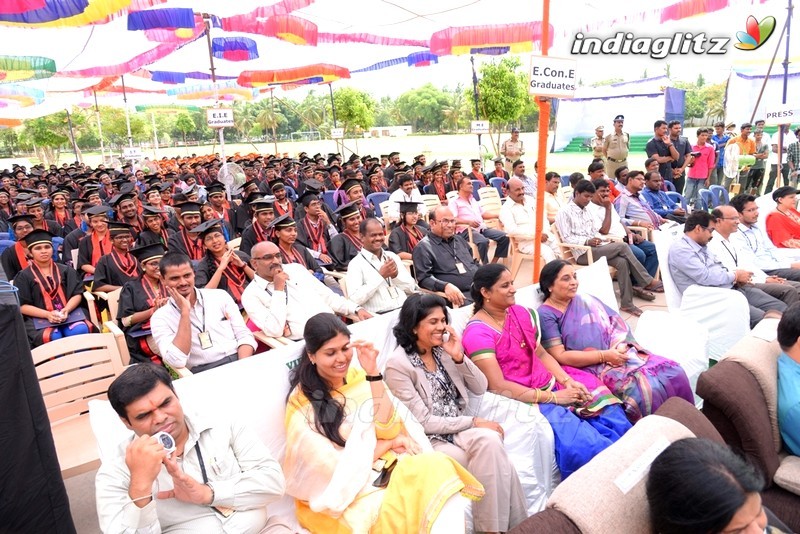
<point x="553" y="76"/>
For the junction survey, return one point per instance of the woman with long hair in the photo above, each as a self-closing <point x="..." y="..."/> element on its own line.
<point x="430" y="374"/>
<point x="502" y="339"/>
<point x="356" y="460"/>
<point x="582" y="332"/>
<point x="408" y="233"/>
<point x="221" y="267"/>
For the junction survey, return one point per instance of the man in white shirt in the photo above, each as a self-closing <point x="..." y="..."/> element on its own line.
<point x="788" y="139"/>
<point x="219" y="478"/>
<point x="528" y="182"/>
<point x="553" y="201"/>
<point x="470" y="217"/>
<point x="281" y="298"/>
<point x="406" y="192"/>
<point x="376" y="278"/>
<point x="758" y="248"/>
<point x="577" y="226"/>
<point x="732" y="258"/>
<point x="198" y="328"/>
<point x="518" y="216"/>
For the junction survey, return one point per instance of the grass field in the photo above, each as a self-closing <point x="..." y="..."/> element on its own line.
<point x="463" y="146"/>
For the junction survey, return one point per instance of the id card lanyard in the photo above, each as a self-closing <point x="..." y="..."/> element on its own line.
<point x="392" y="290"/>
<point x="287" y="330"/>
<point x="203" y="336"/>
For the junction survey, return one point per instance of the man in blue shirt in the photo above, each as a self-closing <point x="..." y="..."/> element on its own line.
<point x="690" y="262"/>
<point x="658" y="199"/>
<point x="789" y="379"/>
<point x="720" y="139"/>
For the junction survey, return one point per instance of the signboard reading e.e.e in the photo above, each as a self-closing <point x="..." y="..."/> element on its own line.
<point x="553" y="76"/>
<point x="219" y="118"/>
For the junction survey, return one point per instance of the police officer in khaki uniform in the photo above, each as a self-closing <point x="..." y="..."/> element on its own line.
<point x="616" y="147"/>
<point x="597" y="143"/>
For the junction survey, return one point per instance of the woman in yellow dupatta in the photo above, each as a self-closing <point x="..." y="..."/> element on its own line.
<point x="356" y="460"/>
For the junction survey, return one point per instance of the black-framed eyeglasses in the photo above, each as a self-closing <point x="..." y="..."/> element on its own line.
<point x="268" y="257"/>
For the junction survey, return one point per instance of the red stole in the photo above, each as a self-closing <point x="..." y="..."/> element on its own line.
<point x="413" y="235"/>
<point x="50" y="286"/>
<point x="261" y="234"/>
<point x="280" y="210"/>
<point x="235" y="278"/>
<point x="354" y="239"/>
<point x="126" y="263"/>
<point x="316" y="235"/>
<point x="292" y="256"/>
<point x="194" y="247"/>
<point x="22" y="256"/>
<point x="61" y="217"/>
<point x="100" y="247"/>
<point x="441" y="190"/>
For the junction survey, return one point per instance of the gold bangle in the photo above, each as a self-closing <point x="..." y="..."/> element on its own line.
<point x="143" y="497"/>
<point x="553" y="397"/>
<point x="536" y="400"/>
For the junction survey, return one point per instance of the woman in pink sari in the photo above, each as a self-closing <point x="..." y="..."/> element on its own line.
<point x="502" y="339"/>
<point x="581" y="331"/>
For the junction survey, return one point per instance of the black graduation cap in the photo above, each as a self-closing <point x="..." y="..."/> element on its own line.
<point x="334" y="168"/>
<point x="21" y="217"/>
<point x="119" y="181"/>
<point x="127" y="187"/>
<point x="63" y="190"/>
<point x="120" y="198"/>
<point x="90" y="191"/>
<point x="436" y="167"/>
<point x="373" y="171"/>
<point x="351" y="209"/>
<point x="403" y="177"/>
<point x="456" y="164"/>
<point x="353" y="157"/>
<point x="96" y="211"/>
<point x="349" y="184"/>
<point x="248" y="183"/>
<point x="118" y="228"/>
<point x="149" y="252"/>
<point x="165" y="187"/>
<point x="308" y="197"/>
<point x="150" y="211"/>
<point x="318" y="157"/>
<point x="261" y="204"/>
<point x="314" y="185"/>
<point x="208" y="227"/>
<point x="34" y="202"/>
<point x="498" y="159"/>
<point x="179" y="199"/>
<point x="191" y="190"/>
<point x="284" y="221"/>
<point x="409" y="207"/>
<point x="393" y="154"/>
<point x="37" y="237"/>
<point x="190" y="208"/>
<point x="277" y="184"/>
<point x="215" y="188"/>
<point x="416" y="164"/>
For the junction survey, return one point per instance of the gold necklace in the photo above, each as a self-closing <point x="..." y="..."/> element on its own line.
<point x="522" y="343"/>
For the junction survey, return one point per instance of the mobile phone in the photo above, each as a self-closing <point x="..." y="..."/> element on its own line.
<point x="446" y="336"/>
<point x="696" y="154"/>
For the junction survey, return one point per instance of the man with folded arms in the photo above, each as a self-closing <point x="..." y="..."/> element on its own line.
<point x="219" y="478"/>
<point x="198" y="328"/>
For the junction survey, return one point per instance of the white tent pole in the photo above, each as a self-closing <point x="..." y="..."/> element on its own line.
<point x="127" y="115"/>
<point x="207" y="21"/>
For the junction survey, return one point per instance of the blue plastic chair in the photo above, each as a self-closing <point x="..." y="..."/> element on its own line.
<point x="709" y="199"/>
<point x="375" y="199"/>
<point x="4" y="244"/>
<point x="721" y="193"/>
<point x="701" y="203"/>
<point x="476" y="184"/>
<point x="291" y="193"/>
<point x="4" y="236"/>
<point x="58" y="244"/>
<point x="564" y="180"/>
<point x="329" y="198"/>
<point x="498" y="183"/>
<point x="669" y="185"/>
<point x="677" y="197"/>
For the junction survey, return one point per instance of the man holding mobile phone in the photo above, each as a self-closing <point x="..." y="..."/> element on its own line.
<point x="701" y="169"/>
<point x="661" y="149"/>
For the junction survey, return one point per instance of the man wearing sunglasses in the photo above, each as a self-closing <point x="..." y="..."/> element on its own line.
<point x="282" y="297"/>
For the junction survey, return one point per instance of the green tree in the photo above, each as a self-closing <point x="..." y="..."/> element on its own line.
<point x="502" y="95"/>
<point x="355" y="109"/>
<point x="184" y="124"/>
<point x="694" y="107"/>
<point x="386" y="112"/>
<point x="457" y="109"/>
<point x="700" y="80"/>
<point x="47" y="135"/>
<point x="423" y="107"/>
<point x="713" y="97"/>
<point x="115" y="129"/>
<point x="270" y="119"/>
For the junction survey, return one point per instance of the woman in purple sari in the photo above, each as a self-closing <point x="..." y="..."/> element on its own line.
<point x="581" y="331"/>
<point x="502" y="339"/>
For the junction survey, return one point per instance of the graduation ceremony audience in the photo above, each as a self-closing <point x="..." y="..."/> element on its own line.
<point x="199" y="273"/>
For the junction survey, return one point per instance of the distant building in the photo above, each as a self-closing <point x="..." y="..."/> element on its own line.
<point x="388" y="131"/>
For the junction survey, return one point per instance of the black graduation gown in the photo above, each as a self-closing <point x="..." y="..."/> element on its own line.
<point x="291" y="209"/>
<point x="147" y="237"/>
<point x="308" y="260"/>
<point x="304" y="238"/>
<point x="132" y="299"/>
<point x="176" y="244"/>
<point x="10" y="262"/>
<point x="242" y="218"/>
<point x="300" y="212"/>
<point x="68" y="226"/>
<point x="71" y="242"/>
<point x="250" y="238"/>
<point x="51" y="226"/>
<point x="398" y="239"/>
<point x="206" y="268"/>
<point x="85" y="250"/>
<point x="29" y="293"/>
<point x="342" y="250"/>
<point x="173" y="224"/>
<point x="108" y="273"/>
